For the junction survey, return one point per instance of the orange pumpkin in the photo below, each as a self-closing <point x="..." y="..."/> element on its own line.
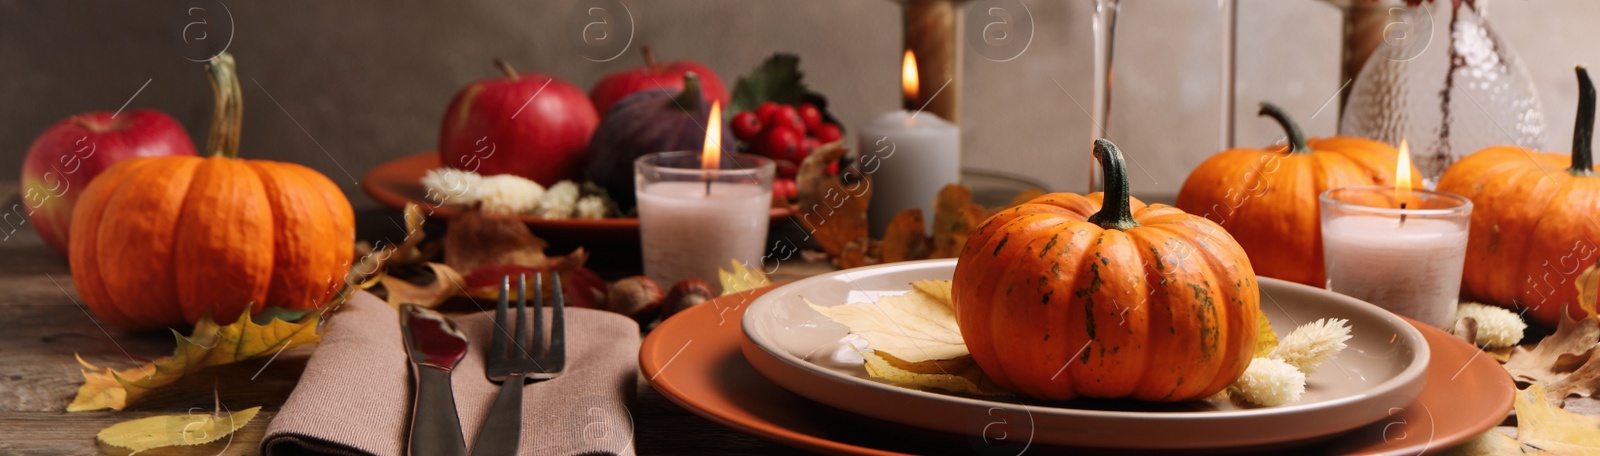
<point x="1535" y="220"/>
<point x="1063" y="297"/>
<point x="160" y="241"/>
<point x="1267" y="198"/>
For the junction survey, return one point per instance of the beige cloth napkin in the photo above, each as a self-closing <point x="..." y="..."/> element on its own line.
<point x="355" y="394"/>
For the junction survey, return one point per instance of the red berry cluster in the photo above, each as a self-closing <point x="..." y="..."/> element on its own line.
<point x="787" y="134"/>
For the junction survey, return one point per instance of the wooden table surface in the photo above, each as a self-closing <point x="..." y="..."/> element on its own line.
<point x="45" y="324"/>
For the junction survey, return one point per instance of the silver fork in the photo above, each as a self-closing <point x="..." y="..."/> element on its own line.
<point x="528" y="360"/>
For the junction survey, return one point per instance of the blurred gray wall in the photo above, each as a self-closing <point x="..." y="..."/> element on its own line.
<point x="343" y="86"/>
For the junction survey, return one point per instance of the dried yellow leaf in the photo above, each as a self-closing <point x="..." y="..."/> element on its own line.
<point x="174" y="430"/>
<point x="938" y="290"/>
<point x="741" y="278"/>
<point x="914" y="327"/>
<point x="447" y="283"/>
<point x="1549" y="428"/>
<point x="960" y="375"/>
<point x="209" y="345"/>
<point x="1266" y="340"/>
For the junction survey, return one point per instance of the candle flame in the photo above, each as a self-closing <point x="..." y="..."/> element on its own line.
<point x="711" y="154"/>
<point x="1402" y="174"/>
<point x="908" y="76"/>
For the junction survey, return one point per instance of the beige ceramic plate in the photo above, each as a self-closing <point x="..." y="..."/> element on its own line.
<point x="1380" y="372"/>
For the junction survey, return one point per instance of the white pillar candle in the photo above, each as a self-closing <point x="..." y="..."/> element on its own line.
<point x="1410" y="267"/>
<point x="686" y="232"/>
<point x="909" y="156"/>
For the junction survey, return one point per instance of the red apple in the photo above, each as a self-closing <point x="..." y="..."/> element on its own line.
<point x="527" y="124"/>
<point x="655" y="76"/>
<point x="69" y="154"/>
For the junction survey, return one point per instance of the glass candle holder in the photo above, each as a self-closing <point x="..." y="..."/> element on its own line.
<point x="693" y="220"/>
<point x="1401" y="252"/>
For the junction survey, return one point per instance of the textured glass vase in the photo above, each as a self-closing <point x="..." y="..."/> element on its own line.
<point x="1447" y="84"/>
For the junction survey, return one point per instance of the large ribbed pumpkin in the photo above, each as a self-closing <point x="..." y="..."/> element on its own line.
<point x="1267" y="198"/>
<point x="160" y="241"/>
<point x="1062" y="297"/>
<point x="1535" y="220"/>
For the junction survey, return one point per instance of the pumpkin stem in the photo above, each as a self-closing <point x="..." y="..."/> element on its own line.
<point x="689" y="98"/>
<point x="507" y="69"/>
<point x="1116" y="213"/>
<point x="224" y="138"/>
<point x="1297" y="138"/>
<point x="1583" y="132"/>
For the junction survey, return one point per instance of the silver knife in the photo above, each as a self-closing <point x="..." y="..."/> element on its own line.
<point x="434" y="346"/>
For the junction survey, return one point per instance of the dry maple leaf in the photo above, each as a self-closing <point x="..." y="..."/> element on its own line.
<point x="1542" y="428"/>
<point x="833" y="210"/>
<point x="209" y="345"/>
<point x="913" y="327"/>
<point x="1558" y="355"/>
<point x="1582" y="382"/>
<point x="476" y="240"/>
<point x="741" y="278"/>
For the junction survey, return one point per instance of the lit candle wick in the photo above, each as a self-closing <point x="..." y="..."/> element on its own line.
<point x="711" y="154"/>
<point x="1402" y="214"/>
<point x="908" y="81"/>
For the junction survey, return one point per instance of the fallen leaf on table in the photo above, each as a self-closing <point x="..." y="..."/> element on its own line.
<point x="954" y="218"/>
<point x="914" y="327"/>
<point x="1542" y="426"/>
<point x="447" y="283"/>
<point x="1588" y="284"/>
<point x="209" y="345"/>
<point x="834" y="211"/>
<point x="905" y="238"/>
<point x="1582" y="382"/>
<point x="174" y="430"/>
<point x="959" y="375"/>
<point x="1558" y="354"/>
<point x="741" y="278"/>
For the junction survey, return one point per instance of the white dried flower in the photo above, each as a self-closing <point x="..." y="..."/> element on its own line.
<point x="1312" y="343"/>
<point x="559" y="201"/>
<point x="508" y="194"/>
<point x="452" y="187"/>
<point x="1497" y="327"/>
<point x="1269" y="382"/>
<point x="592" y="207"/>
